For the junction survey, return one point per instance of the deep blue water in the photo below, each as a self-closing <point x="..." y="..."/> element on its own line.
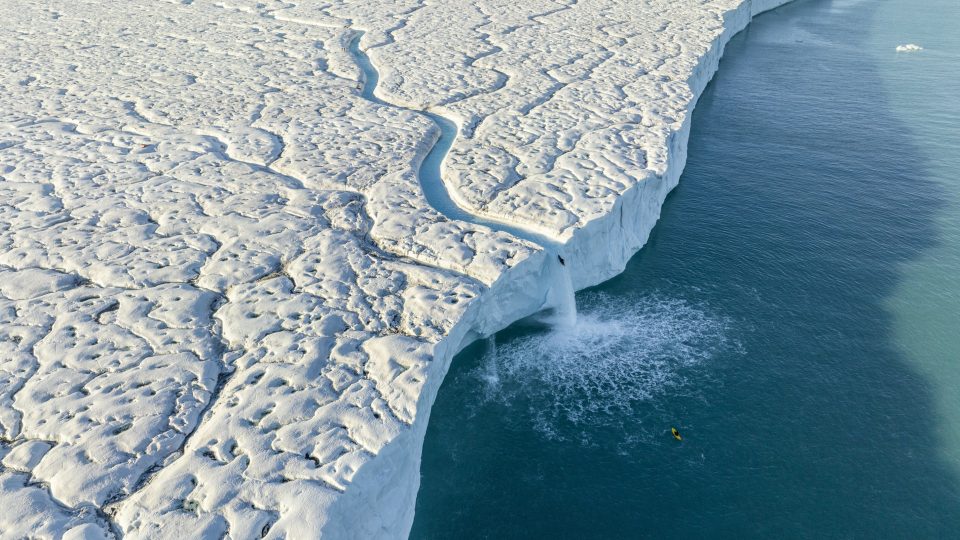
<point x="796" y="314"/>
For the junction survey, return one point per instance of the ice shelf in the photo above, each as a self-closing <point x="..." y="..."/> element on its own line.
<point x="242" y="240"/>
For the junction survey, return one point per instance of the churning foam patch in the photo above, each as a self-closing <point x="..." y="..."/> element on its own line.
<point x="909" y="47"/>
<point x="621" y="352"/>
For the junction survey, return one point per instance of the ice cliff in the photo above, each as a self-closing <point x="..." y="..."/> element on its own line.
<point x="226" y="304"/>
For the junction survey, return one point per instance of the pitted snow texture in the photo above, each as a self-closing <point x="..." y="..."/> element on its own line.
<point x="222" y="291"/>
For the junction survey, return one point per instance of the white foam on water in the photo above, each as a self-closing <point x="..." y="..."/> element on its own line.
<point x="619" y="352"/>
<point x="909" y="47"/>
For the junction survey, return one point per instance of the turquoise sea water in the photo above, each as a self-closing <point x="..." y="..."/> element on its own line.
<point x="796" y="315"/>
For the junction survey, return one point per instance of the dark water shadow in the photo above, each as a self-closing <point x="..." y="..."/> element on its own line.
<point x="802" y="199"/>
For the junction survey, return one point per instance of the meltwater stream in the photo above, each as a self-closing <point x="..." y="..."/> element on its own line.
<point x="430" y="173"/>
<point x="563" y="310"/>
<point x="796" y="314"/>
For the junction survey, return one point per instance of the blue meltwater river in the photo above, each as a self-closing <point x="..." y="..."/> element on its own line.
<point x="796" y="315"/>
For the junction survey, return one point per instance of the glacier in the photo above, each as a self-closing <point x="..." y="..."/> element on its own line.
<point x="228" y="292"/>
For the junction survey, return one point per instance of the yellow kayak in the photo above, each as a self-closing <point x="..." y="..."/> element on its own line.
<point x="676" y="434"/>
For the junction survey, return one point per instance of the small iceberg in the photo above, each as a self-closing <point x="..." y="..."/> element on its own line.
<point x="909" y="47"/>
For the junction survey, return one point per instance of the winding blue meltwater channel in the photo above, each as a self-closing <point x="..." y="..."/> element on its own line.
<point x="430" y="173"/>
<point x="560" y="307"/>
<point x="796" y="314"/>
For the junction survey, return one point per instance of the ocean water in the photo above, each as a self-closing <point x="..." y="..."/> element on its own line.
<point x="796" y="315"/>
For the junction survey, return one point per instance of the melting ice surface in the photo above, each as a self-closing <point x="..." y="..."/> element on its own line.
<point x="430" y="170"/>
<point x="562" y="302"/>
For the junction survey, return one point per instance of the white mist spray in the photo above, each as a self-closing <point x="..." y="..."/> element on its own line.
<point x="623" y="350"/>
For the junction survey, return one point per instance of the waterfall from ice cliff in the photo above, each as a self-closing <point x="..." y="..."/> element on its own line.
<point x="562" y="300"/>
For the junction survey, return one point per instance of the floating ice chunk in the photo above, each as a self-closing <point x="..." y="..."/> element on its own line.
<point x="909" y="47"/>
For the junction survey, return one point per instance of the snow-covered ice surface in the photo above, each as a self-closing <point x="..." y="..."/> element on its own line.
<point x="226" y="305"/>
